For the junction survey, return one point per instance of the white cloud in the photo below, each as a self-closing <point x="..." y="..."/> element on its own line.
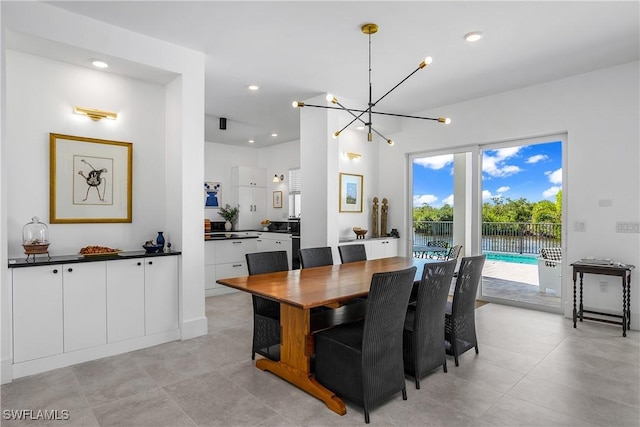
<point x="537" y="158"/>
<point x="435" y="162"/>
<point x="551" y="192"/>
<point x="494" y="162"/>
<point x="555" y="177"/>
<point x="486" y="195"/>
<point x="503" y="189"/>
<point x="419" y="200"/>
<point x="448" y="200"/>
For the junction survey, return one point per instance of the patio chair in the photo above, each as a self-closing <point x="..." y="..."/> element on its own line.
<point x="454" y="253"/>
<point x="438" y="244"/>
<point x="550" y="269"/>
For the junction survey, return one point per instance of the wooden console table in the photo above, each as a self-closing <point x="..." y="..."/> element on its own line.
<point x="624" y="272"/>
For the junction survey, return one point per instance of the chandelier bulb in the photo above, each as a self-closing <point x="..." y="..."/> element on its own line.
<point x="390" y="141"/>
<point x="445" y="120"/>
<point x="369" y="137"/>
<point x="428" y="60"/>
<point x="331" y="98"/>
<point x="296" y="104"/>
<point x="336" y="134"/>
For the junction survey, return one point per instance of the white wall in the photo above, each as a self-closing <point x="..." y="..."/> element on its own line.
<point x="599" y="111"/>
<point x="42" y="94"/>
<point x="278" y="159"/>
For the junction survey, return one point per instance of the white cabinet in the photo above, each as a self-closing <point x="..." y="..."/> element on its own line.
<point x="381" y="248"/>
<point x="160" y="294"/>
<point x="253" y="207"/>
<point x="85" y="305"/>
<point x="37" y="312"/>
<point x="125" y="299"/>
<point x="248" y="176"/>
<point x="268" y="242"/>
<point x="224" y="259"/>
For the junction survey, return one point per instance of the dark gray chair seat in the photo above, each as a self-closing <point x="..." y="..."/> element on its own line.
<point x="352" y="253"/>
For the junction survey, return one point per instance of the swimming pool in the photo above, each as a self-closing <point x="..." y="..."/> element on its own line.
<point x="514" y="258"/>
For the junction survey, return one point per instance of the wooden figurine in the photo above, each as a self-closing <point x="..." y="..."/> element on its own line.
<point x="375" y="217"/>
<point x="383" y="224"/>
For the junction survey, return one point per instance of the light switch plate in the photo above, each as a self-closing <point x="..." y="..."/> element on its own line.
<point x="627" y="227"/>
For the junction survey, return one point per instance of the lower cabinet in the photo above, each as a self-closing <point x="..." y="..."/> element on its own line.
<point x="268" y="242"/>
<point x="224" y="259"/>
<point x="379" y="247"/>
<point x="81" y="310"/>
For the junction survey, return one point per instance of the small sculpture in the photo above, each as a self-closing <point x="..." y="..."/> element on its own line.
<point x="383" y="224"/>
<point x="375" y="216"/>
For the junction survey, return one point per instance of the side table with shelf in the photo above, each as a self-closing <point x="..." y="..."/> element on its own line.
<point x="619" y="270"/>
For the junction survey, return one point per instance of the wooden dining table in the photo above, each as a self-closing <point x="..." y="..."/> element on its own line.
<point x="298" y="291"/>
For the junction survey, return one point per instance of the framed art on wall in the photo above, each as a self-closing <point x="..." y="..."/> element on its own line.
<point x="277" y="199"/>
<point x="350" y="192"/>
<point x="89" y="180"/>
<point x="212" y="195"/>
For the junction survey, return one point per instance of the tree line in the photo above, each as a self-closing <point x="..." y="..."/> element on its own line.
<point x="500" y="210"/>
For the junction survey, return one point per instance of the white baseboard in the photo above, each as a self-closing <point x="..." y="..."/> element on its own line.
<point x="194" y="328"/>
<point x="6" y="371"/>
<point x="219" y="291"/>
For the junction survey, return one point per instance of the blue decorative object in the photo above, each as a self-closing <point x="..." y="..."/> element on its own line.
<point x="160" y="239"/>
<point x="152" y="249"/>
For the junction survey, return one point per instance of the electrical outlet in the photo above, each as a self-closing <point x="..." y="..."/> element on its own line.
<point x="603" y="286"/>
<point x="627" y="227"/>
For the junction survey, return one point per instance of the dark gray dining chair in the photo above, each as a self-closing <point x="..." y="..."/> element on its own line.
<point x="460" y="318"/>
<point x="315" y="257"/>
<point x="362" y="361"/>
<point x="423" y="337"/>
<point x="352" y="253"/>
<point x="266" y="312"/>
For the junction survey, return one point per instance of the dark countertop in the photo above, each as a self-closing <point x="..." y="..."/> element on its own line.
<point x="75" y="258"/>
<point x="216" y="235"/>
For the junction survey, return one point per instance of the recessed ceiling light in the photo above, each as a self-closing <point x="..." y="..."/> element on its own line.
<point x="99" y="64"/>
<point x="251" y="141"/>
<point x="473" y="36"/>
<point x="274" y="134"/>
<point x="253" y="87"/>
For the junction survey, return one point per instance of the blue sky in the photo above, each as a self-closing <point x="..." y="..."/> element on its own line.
<point x="533" y="172"/>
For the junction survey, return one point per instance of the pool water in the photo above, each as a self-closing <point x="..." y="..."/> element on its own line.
<point x="515" y="258"/>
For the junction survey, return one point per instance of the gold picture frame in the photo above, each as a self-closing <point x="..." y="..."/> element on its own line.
<point x="277" y="199"/>
<point x="89" y="180"/>
<point x="351" y="187"/>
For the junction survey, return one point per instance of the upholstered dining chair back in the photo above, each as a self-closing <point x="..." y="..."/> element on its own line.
<point x="352" y="253"/>
<point x="315" y="257"/>
<point x="362" y="361"/>
<point x="460" y="326"/>
<point x="266" y="313"/>
<point x="423" y="342"/>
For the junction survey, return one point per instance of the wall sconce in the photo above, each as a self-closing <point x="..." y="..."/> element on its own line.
<point x="277" y="178"/>
<point x="94" y="114"/>
<point x="352" y="156"/>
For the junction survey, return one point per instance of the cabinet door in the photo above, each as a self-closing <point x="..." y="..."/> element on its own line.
<point x="248" y="176"/>
<point x="375" y="249"/>
<point x="85" y="305"/>
<point x="37" y="312"/>
<point x="253" y="207"/>
<point x="125" y="299"/>
<point x="233" y="250"/>
<point x="391" y="248"/>
<point x="161" y="294"/>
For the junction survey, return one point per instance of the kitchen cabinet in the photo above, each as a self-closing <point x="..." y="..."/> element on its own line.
<point x="223" y="259"/>
<point x="248" y="176"/>
<point x="160" y="294"/>
<point x="37" y="312"/>
<point x="268" y="242"/>
<point x="84" y="305"/>
<point x="253" y="207"/>
<point x="125" y="299"/>
<point x="381" y="248"/>
<point x="80" y="309"/>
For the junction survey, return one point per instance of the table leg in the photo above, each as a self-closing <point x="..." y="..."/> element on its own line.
<point x="629" y="302"/>
<point x="581" y="306"/>
<point x="624" y="306"/>
<point x="575" y="313"/>
<point x="296" y="348"/>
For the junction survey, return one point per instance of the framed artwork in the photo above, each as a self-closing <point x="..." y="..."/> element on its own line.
<point x="277" y="199"/>
<point x="89" y="180"/>
<point x="212" y="195"/>
<point x="350" y="192"/>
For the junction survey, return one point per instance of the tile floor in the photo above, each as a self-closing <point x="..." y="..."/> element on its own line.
<point x="533" y="369"/>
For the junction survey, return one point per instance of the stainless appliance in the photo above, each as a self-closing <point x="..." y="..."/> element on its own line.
<point x="294" y="228"/>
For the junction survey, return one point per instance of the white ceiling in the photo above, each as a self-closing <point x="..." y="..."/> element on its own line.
<point x="297" y="50"/>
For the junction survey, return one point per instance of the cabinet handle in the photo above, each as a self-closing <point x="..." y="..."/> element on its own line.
<point x="150" y="262"/>
<point x="55" y="271"/>
<point x="139" y="263"/>
<point x="235" y="242"/>
<point x="69" y="269"/>
<point x="237" y="265"/>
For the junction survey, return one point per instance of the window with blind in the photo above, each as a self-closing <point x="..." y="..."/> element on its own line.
<point x="295" y="190"/>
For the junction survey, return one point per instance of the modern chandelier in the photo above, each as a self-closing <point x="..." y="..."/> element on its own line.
<point x="370" y="29"/>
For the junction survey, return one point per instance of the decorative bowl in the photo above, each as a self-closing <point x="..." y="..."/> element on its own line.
<point x="152" y="249"/>
<point x="359" y="232"/>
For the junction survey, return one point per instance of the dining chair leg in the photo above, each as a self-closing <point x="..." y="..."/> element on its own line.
<point x="404" y="393"/>
<point x="444" y="366"/>
<point x="477" y="349"/>
<point x="417" y="382"/>
<point x="366" y="416"/>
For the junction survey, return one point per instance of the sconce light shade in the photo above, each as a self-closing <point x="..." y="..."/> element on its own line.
<point x="277" y="178"/>
<point x="94" y="114"/>
<point x="352" y="156"/>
